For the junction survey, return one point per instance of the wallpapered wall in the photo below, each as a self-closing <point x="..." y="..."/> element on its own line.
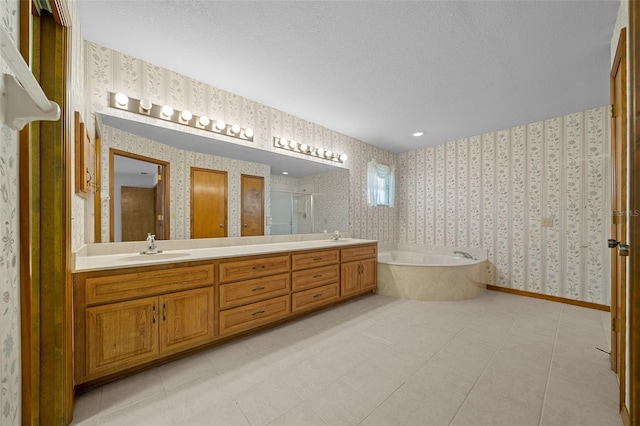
<point x="108" y="70"/>
<point x="9" y="256"/>
<point x="492" y="191"/>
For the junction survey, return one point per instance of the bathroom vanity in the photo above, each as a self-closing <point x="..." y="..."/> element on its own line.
<point x="133" y="311"/>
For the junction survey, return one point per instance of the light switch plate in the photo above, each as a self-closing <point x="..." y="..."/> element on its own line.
<point x="546" y="222"/>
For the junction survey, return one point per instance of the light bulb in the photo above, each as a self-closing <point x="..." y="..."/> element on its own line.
<point x="186" y="115"/>
<point x="145" y="104"/>
<point x="320" y="152"/>
<point x="235" y="129"/>
<point x="204" y="120"/>
<point x="343" y="157"/>
<point x="167" y="111"/>
<point x="283" y="142"/>
<point x="304" y="147"/>
<point x="248" y="132"/>
<point x="418" y="134"/>
<point x="221" y="125"/>
<point x="122" y="99"/>
<point x="328" y="154"/>
<point x="293" y="144"/>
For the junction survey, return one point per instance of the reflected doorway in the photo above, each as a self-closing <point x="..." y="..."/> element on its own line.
<point x="138" y="197"/>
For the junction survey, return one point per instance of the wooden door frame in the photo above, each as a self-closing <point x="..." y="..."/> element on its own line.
<point x="167" y="193"/>
<point x="619" y="216"/>
<point x="226" y="198"/>
<point x="633" y="290"/>
<point x="45" y="224"/>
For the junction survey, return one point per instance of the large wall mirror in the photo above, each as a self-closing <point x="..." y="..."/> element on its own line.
<point x="311" y="197"/>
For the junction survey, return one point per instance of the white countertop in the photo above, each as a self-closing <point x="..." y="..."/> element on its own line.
<point x="128" y="260"/>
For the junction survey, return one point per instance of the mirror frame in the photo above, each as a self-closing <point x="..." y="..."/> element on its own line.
<point x="167" y="208"/>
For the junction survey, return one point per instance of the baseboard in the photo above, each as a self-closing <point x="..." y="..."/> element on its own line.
<point x="589" y="305"/>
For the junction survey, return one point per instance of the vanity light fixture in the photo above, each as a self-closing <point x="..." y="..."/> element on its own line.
<point x="167" y="111"/>
<point x="186" y="115"/>
<point x="303" y="148"/>
<point x="145" y="106"/>
<point x="203" y="121"/>
<point x="121" y="100"/>
<point x="187" y="118"/>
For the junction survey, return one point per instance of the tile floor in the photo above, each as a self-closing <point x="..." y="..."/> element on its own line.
<point x="498" y="359"/>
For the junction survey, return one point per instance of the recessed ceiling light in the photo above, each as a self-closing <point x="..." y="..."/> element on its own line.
<point x="416" y="134"/>
<point x="285" y="173"/>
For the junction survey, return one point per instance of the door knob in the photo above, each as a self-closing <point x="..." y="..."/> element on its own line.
<point x="245" y="225"/>
<point x="623" y="250"/>
<point x="221" y="225"/>
<point x="611" y="243"/>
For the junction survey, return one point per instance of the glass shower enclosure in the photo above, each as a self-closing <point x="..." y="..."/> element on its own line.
<point x="291" y="213"/>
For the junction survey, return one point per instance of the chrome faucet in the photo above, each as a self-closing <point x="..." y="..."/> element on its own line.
<point x="336" y="236"/>
<point x="151" y="245"/>
<point x="465" y="254"/>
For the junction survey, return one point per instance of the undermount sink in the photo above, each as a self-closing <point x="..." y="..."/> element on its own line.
<point x="159" y="256"/>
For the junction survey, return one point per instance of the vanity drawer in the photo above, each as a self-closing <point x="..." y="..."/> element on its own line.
<point x="118" y="286"/>
<point x="254" y="315"/>
<point x="253" y="267"/>
<point x="315" y="258"/>
<point x="359" y="252"/>
<point x="250" y="291"/>
<point x="314" y="297"/>
<point x="309" y="278"/>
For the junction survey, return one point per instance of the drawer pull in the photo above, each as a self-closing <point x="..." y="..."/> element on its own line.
<point x="258" y="267"/>
<point x="315" y="296"/>
<point x="317" y="276"/>
<point x="258" y="289"/>
<point x="316" y="259"/>
<point x="257" y="313"/>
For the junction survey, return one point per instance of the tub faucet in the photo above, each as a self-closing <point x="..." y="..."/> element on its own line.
<point x="336" y="236"/>
<point x="151" y="245"/>
<point x="465" y="254"/>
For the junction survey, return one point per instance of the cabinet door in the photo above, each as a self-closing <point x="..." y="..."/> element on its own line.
<point x="368" y="274"/>
<point x="187" y="319"/>
<point x="349" y="278"/>
<point x="120" y="335"/>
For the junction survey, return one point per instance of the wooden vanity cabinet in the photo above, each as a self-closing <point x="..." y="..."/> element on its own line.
<point x="128" y="318"/>
<point x="359" y="268"/>
<point x="117" y="328"/>
<point x="254" y="291"/>
<point x="315" y="279"/>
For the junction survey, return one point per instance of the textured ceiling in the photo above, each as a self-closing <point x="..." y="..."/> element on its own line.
<point x="379" y="70"/>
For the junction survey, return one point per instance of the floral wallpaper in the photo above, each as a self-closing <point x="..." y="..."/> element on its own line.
<point x="107" y="70"/>
<point x="10" y="369"/>
<point x="493" y="190"/>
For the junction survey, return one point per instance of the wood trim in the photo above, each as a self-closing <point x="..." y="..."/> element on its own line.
<point x="55" y="343"/>
<point x="550" y="298"/>
<point x="28" y="298"/>
<point x="97" y="204"/>
<point x="633" y="281"/>
<point x="167" y="189"/>
<point x="619" y="174"/>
